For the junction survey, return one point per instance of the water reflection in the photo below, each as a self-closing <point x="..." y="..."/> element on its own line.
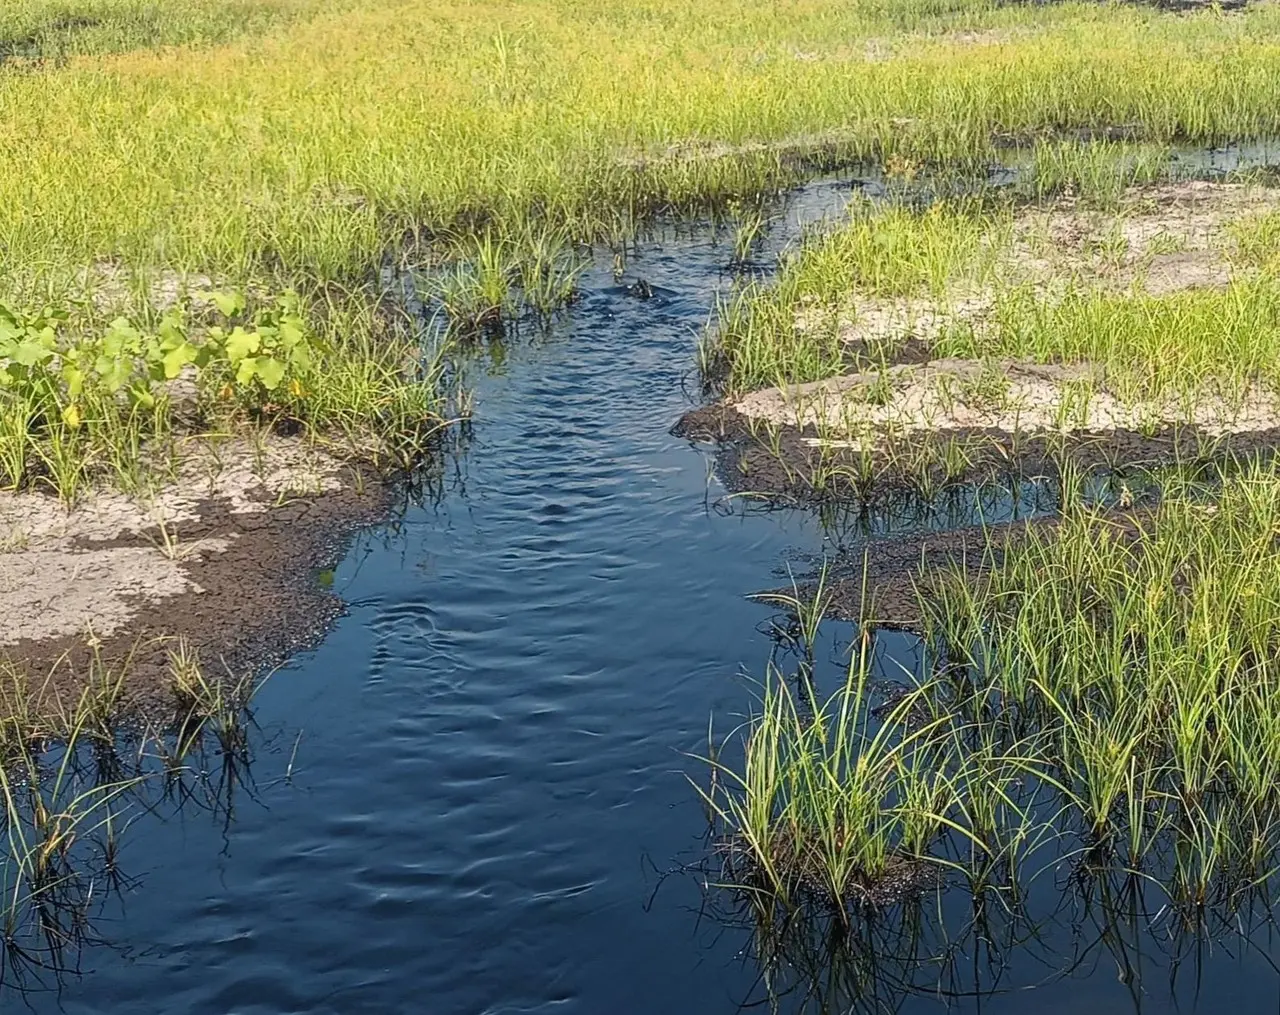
<point x="963" y="947"/>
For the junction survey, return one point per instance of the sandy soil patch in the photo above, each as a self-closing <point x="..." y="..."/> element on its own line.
<point x="1006" y="396"/>
<point x="221" y="557"/>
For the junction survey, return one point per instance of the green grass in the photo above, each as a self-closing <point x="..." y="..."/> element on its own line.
<point x="1148" y="347"/>
<point x="788" y="331"/>
<point x="1178" y="344"/>
<point x="1100" y="172"/>
<point x="312" y="147"/>
<point x="84" y="400"/>
<point x="1105" y="690"/>
<point x="40" y="30"/>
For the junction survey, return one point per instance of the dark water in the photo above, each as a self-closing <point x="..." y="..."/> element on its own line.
<point x="490" y="770"/>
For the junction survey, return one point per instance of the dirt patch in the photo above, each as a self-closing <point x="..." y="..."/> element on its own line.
<point x="800" y="862"/>
<point x="794" y="465"/>
<point x="1006" y="396"/>
<point x="222" y="558"/>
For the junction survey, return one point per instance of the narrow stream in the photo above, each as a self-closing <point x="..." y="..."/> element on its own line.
<point x="489" y="753"/>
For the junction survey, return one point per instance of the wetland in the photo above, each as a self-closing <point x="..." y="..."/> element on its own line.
<point x="680" y="507"/>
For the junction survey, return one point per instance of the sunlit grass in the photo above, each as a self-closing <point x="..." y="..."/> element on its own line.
<point x="312" y="147"/>
<point x="1105" y="690"/>
<point x="41" y="30"/>
<point x="1028" y="296"/>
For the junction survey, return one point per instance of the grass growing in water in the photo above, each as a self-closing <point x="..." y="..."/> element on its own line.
<point x="1102" y="693"/>
<point x="74" y="775"/>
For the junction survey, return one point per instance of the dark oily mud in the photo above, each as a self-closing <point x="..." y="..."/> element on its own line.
<point x="904" y="878"/>
<point x="248" y="604"/>
<point x="884" y="583"/>
<point x="785" y="464"/>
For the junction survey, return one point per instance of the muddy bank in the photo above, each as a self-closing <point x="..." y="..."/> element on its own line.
<point x="223" y="559"/>
<point x="796" y="465"/>
<point x="884" y="582"/>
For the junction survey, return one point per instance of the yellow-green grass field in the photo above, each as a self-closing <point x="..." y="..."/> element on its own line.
<point x="305" y="138"/>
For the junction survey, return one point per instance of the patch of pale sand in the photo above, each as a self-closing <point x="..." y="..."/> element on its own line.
<point x="54" y="582"/>
<point x="1007" y="396"/>
<point x="113" y="288"/>
<point x="1189" y="217"/>
<point x="50" y="593"/>
<point x="1162" y="240"/>
<point x="878" y="48"/>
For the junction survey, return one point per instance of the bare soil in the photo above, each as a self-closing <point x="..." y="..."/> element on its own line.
<point x="224" y="559"/>
<point x="791" y="464"/>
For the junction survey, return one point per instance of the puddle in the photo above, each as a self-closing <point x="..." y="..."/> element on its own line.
<point x="487" y="754"/>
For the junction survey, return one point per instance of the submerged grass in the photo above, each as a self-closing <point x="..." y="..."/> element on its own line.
<point x="74" y="774"/>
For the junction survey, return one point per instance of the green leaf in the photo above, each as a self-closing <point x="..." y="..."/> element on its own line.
<point x="172" y="331"/>
<point x="121" y="339"/>
<point x="115" y="372"/>
<point x="176" y="358"/>
<point x="73" y="377"/>
<point x="246" y="371"/>
<point x="31" y="351"/>
<point x="241" y="343"/>
<point x="270" y="372"/>
<point x="228" y="303"/>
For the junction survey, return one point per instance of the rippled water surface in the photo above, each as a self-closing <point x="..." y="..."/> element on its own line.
<point x="491" y="747"/>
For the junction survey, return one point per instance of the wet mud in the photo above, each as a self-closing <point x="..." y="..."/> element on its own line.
<point x="903" y="879"/>
<point x="243" y="590"/>
<point x="884" y="583"/>
<point x="791" y="465"/>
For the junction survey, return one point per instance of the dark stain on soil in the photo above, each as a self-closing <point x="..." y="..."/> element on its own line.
<point x="261" y="600"/>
